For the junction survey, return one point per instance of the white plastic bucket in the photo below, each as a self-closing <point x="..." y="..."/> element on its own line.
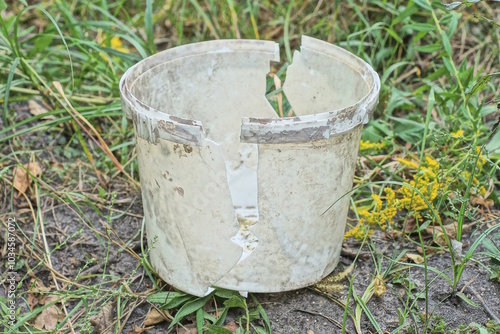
<point x="235" y="196"/>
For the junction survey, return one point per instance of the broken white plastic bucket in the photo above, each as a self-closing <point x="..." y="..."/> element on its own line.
<point x="235" y="196"/>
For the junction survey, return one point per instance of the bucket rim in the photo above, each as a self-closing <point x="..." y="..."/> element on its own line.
<point x="152" y="124"/>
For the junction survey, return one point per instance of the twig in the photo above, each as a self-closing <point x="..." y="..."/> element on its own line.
<point x="111" y="259"/>
<point x="351" y="253"/>
<point x="469" y="283"/>
<point x="95" y="268"/>
<point x="481" y="300"/>
<point x="328" y="296"/>
<point x="49" y="261"/>
<point x="333" y="321"/>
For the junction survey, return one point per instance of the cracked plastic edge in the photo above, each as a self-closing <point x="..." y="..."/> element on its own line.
<point x="152" y="124"/>
<point x="322" y="125"/>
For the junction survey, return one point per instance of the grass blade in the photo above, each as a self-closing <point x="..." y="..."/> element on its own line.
<point x="286" y="32"/>
<point x="189" y="308"/>
<point x="7" y="90"/>
<point x="148" y="23"/>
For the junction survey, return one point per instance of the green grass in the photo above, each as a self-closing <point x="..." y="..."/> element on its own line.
<point x="438" y="101"/>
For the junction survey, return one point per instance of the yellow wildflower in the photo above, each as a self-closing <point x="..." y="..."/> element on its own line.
<point x="378" y="202"/>
<point x="408" y="163"/>
<point x="369" y="146"/>
<point x="433" y="164"/>
<point x="391" y="209"/>
<point x="426" y="183"/>
<point x="116" y="43"/>
<point x="457" y="134"/>
<point x="481" y="161"/>
<point x="379" y="215"/>
<point x="482" y="190"/>
<point x="466" y="175"/>
<point x="359" y="231"/>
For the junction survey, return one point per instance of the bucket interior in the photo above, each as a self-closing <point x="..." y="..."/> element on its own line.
<point x="220" y="87"/>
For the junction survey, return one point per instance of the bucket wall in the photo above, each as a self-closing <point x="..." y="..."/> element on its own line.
<point x="233" y="195"/>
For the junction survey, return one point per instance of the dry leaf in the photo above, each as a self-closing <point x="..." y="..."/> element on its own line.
<point x="138" y="329"/>
<point x="440" y="239"/>
<point x="415" y="258"/>
<point x="309" y="331"/>
<point x="451" y="230"/>
<point x="21" y="178"/>
<point x="36" y="109"/>
<point x="232" y="326"/>
<point x="411" y="223"/>
<point x="187" y="329"/>
<point x="104" y="319"/>
<point x="481" y="200"/>
<point x="392" y="234"/>
<point x="49" y="317"/>
<point x="379" y="286"/>
<point x="154" y="317"/>
<point x="56" y="165"/>
<point x="427" y="250"/>
<point x="32" y="300"/>
<point x="38" y="287"/>
<point x="457" y="249"/>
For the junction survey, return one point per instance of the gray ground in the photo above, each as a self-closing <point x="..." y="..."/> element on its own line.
<point x="289" y="312"/>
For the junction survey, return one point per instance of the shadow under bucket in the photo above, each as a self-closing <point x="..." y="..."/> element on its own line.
<point x="234" y="196"/>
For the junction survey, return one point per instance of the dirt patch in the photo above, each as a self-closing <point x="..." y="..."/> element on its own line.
<point x="80" y="231"/>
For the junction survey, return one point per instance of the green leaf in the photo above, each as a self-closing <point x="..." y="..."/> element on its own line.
<point x="369" y="314"/>
<point x="429" y="48"/>
<point x="260" y="330"/>
<point x="165" y="297"/>
<point x="7" y="88"/>
<point x="394" y="35"/>
<point x="176" y="302"/>
<point x="213" y="329"/>
<point x="448" y="64"/>
<point x="423" y="4"/>
<point x="495" y="273"/>
<point x="169" y="299"/>
<point x="200" y="320"/>
<point x="222" y="317"/>
<point x="494" y="143"/>
<point x="148" y="23"/>
<point x="467" y="300"/>
<point x="224" y="293"/>
<point x="410" y="10"/>
<point x="3" y="5"/>
<point x="478" y="241"/>
<point x="42" y="42"/>
<point x="236" y="301"/>
<point x="190" y="307"/>
<point x="262" y="313"/>
<point x="446" y="43"/>
<point x="452" y="27"/>
<point x="479" y="86"/>
<point x="490" y="246"/>
<point x="392" y="69"/>
<point x="420" y="27"/>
